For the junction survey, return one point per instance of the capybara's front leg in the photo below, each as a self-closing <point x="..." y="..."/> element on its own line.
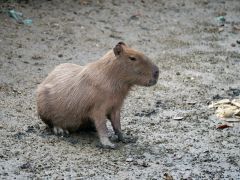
<point x="115" y="121"/>
<point x="101" y="127"/>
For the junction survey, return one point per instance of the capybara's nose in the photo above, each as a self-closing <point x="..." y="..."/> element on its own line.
<point x="155" y="73"/>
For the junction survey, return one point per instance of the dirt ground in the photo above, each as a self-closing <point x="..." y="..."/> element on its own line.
<point x="199" y="60"/>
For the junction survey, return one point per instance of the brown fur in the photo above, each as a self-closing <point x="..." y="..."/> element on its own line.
<point x="73" y="95"/>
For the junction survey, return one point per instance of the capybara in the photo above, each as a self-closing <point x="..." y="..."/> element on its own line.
<point x="73" y="96"/>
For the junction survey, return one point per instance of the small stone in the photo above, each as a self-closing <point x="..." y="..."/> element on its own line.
<point x="191" y="102"/>
<point x="129" y="159"/>
<point x="36" y="57"/>
<point x="178" y="118"/>
<point x="233" y="44"/>
<point x="145" y="164"/>
<point x="178" y="73"/>
<point x="25" y="166"/>
<point x="221" y="29"/>
<point x="238" y="41"/>
<point x="60" y="55"/>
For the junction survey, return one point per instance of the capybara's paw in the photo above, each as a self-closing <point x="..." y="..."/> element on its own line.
<point x="107" y="146"/>
<point x="60" y="132"/>
<point x="114" y="138"/>
<point x="128" y="139"/>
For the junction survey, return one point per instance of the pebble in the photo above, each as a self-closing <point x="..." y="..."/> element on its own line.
<point x="25" y="166"/>
<point x="178" y="118"/>
<point x="129" y="160"/>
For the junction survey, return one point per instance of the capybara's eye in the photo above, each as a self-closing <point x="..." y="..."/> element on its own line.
<point x="132" y="58"/>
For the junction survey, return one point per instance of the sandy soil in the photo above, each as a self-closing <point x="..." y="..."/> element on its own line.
<point x="199" y="62"/>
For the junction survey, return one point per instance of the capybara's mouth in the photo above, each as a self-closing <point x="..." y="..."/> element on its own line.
<point x="152" y="82"/>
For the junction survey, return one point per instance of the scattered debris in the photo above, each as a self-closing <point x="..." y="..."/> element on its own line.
<point x="36" y="57"/>
<point x="223" y="126"/>
<point x="216" y="104"/>
<point x="221" y="29"/>
<point x="146" y="113"/>
<point x="236" y="102"/>
<point x="227" y="109"/>
<point x="129" y="159"/>
<point x="30" y="129"/>
<point x="232" y="120"/>
<point x="167" y="176"/>
<point x="192" y="102"/>
<point x="25" y="166"/>
<point x="221" y="20"/>
<point x="145" y="164"/>
<point x="236" y="28"/>
<point x="18" y="16"/>
<point x="178" y="118"/>
<point x="233" y="92"/>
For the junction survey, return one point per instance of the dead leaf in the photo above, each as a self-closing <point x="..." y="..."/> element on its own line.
<point x="226" y="111"/>
<point x="216" y="104"/>
<point x="236" y="102"/>
<point x="223" y="126"/>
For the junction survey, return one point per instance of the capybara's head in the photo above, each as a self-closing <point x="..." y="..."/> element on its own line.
<point x="138" y="68"/>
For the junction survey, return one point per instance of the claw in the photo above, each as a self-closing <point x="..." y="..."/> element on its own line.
<point x="60" y="132"/>
<point x="107" y="146"/>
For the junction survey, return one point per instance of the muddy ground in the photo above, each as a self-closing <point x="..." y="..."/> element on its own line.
<point x="199" y="60"/>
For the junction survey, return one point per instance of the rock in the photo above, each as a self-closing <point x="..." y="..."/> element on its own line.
<point x="167" y="176"/>
<point x="178" y="118"/>
<point x="25" y="166"/>
<point x="145" y="164"/>
<point x="129" y="159"/>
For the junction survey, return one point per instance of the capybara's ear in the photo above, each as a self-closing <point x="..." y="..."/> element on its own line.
<point x="118" y="49"/>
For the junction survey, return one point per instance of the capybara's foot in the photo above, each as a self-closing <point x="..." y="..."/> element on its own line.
<point x="60" y="132"/>
<point x="106" y="144"/>
<point x="109" y="146"/>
